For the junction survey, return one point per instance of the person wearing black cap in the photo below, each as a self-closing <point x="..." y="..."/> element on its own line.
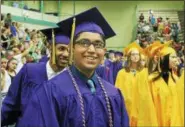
<point x="31" y="76"/>
<point x="118" y="64"/>
<point x="59" y="54"/>
<point x="105" y="73"/>
<point x="78" y="97"/>
<point x="110" y="64"/>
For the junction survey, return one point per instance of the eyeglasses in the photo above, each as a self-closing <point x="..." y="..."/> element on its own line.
<point x="134" y="54"/>
<point x="173" y="57"/>
<point x="86" y="43"/>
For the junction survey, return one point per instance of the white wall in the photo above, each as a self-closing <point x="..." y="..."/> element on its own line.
<point x="31" y="14"/>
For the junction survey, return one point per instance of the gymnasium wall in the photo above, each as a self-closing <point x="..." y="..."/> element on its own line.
<point x="120" y="14"/>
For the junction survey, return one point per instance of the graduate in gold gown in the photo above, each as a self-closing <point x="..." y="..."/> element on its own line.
<point x="144" y="59"/>
<point x="180" y="92"/>
<point x="136" y="91"/>
<point x="163" y="88"/>
<point x="151" y="51"/>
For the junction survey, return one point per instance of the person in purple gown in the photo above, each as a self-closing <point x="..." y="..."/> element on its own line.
<point x="78" y="97"/>
<point x="111" y="58"/>
<point x="109" y="63"/>
<point x="117" y="65"/>
<point x="45" y="58"/>
<point x="33" y="75"/>
<point x="105" y="73"/>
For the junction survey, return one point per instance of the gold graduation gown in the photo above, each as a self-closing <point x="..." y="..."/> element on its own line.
<point x="165" y="100"/>
<point x="180" y="92"/>
<point x="138" y="98"/>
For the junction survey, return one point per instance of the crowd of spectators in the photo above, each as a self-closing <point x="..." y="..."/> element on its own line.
<point x="159" y="29"/>
<point x="19" y="45"/>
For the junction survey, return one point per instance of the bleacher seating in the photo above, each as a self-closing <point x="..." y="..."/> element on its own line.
<point x="174" y="15"/>
<point x="181" y="18"/>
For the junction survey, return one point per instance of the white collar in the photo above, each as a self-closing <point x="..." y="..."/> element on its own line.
<point x="50" y="72"/>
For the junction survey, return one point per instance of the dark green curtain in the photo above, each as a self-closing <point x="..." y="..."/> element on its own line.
<point x="41" y="6"/>
<point x="59" y="8"/>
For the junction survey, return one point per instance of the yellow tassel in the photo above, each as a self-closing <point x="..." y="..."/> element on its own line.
<point x="159" y="68"/>
<point x="71" y="42"/>
<point x="53" y="48"/>
<point x="168" y="43"/>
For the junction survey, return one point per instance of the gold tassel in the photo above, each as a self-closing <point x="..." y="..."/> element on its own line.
<point x="159" y="68"/>
<point x="53" y="48"/>
<point x="168" y="43"/>
<point x="71" y="42"/>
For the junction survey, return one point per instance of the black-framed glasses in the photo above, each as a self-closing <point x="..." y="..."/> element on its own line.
<point x="86" y="43"/>
<point x="134" y="54"/>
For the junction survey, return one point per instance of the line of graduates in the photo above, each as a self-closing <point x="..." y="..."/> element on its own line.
<point x="154" y="96"/>
<point x="53" y="94"/>
<point x="110" y="66"/>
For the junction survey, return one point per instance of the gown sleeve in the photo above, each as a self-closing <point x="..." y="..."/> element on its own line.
<point x="11" y="104"/>
<point x="180" y="92"/>
<point x="124" y="117"/>
<point x="145" y="101"/>
<point x="40" y="110"/>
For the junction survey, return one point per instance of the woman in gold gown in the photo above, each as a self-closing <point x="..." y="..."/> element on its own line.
<point x="132" y="81"/>
<point x="163" y="89"/>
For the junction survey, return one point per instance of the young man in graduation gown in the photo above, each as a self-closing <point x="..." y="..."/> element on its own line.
<point x="33" y="75"/>
<point x="110" y="64"/>
<point x="105" y="73"/>
<point x="111" y="58"/>
<point x="78" y="97"/>
<point x="117" y="65"/>
<point x="109" y="70"/>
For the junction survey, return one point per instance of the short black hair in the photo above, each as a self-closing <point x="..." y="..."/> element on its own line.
<point x="165" y="69"/>
<point x="76" y="37"/>
<point x="8" y="14"/>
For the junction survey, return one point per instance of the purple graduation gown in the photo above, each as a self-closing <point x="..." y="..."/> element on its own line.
<point x="107" y="63"/>
<point x="117" y="67"/>
<point x="20" y="92"/>
<point x="56" y="104"/>
<point x="110" y="65"/>
<point x="45" y="58"/>
<point x="105" y="73"/>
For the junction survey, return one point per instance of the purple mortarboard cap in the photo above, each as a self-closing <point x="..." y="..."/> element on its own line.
<point x="61" y="36"/>
<point x="89" y="21"/>
<point x="118" y="53"/>
<point x="111" y="51"/>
